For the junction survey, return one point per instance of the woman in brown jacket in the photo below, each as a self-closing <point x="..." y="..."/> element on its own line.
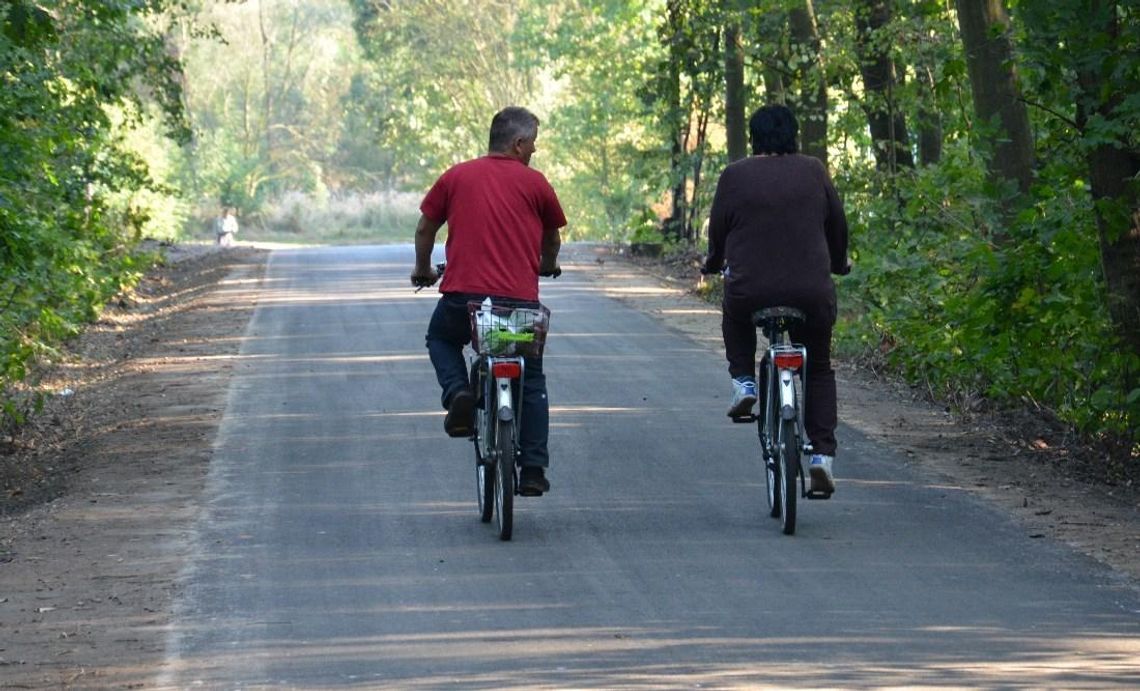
<point x="778" y="231"/>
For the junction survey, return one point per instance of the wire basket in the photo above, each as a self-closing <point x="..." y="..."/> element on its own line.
<point x="508" y="331"/>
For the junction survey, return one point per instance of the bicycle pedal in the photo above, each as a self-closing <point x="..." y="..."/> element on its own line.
<point x="745" y="419"/>
<point x="818" y="495"/>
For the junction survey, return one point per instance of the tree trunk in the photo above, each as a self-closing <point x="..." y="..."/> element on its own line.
<point x="812" y="112"/>
<point x="735" y="120"/>
<point x="929" y="120"/>
<point x="267" y="80"/>
<point x="1113" y="171"/>
<point x="984" y="25"/>
<point x="887" y="123"/>
<point x="674" y="225"/>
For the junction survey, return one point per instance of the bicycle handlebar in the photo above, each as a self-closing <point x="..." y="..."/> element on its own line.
<point x="706" y="271"/>
<point x="442" y="266"/>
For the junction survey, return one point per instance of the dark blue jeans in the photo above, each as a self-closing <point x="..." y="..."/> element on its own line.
<point x="448" y="331"/>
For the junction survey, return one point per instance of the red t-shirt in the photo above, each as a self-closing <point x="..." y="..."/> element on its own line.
<point x="496" y="209"/>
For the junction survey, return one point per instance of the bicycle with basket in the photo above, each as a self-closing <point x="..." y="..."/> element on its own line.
<point x="502" y="337"/>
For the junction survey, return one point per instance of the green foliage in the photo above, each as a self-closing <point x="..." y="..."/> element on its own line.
<point x="603" y="158"/>
<point x="73" y="76"/>
<point x="1016" y="322"/>
<point x="268" y="85"/>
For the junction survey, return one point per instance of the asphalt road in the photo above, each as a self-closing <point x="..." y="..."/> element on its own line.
<point x="340" y="545"/>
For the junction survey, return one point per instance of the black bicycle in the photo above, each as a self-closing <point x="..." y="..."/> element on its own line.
<point x="783" y="442"/>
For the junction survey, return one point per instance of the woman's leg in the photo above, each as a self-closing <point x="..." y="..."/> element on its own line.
<point x="821" y="410"/>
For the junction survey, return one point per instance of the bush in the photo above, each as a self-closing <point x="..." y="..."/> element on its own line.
<point x="1011" y="318"/>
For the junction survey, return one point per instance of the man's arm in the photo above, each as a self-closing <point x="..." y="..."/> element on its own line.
<point x="424" y="273"/>
<point x="551" y="244"/>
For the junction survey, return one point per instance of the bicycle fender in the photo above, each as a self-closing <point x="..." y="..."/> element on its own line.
<point x="505" y="410"/>
<point x="787" y="395"/>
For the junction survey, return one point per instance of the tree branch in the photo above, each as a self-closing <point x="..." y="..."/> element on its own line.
<point x="1059" y="116"/>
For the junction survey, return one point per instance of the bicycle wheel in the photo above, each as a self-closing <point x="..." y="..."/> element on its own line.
<point x="505" y="478"/>
<point x="788" y="458"/>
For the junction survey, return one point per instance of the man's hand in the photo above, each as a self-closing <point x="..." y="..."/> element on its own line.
<point x="550" y="269"/>
<point x="422" y="278"/>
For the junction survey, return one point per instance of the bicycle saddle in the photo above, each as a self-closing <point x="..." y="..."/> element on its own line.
<point x="784" y="314"/>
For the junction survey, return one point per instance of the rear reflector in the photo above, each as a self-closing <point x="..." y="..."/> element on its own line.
<point x="509" y="370"/>
<point x="789" y="360"/>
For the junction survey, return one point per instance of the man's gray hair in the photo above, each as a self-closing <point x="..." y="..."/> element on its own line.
<point x="510" y="123"/>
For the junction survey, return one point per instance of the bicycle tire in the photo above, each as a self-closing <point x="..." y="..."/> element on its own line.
<point x="788" y="452"/>
<point x="767" y="426"/>
<point x="772" y="481"/>
<point x="505" y="478"/>
<point x="484" y="464"/>
<point x="485" y="487"/>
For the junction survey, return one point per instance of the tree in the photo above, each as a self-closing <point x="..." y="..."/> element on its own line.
<point x="880" y="80"/>
<point x="1001" y="113"/>
<point x="76" y="77"/>
<point x="812" y="102"/>
<point x="1109" y="115"/>
<point x="735" y="99"/>
<point x="448" y="88"/>
<point x="694" y="69"/>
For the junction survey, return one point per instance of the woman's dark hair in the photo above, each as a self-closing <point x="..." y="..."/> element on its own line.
<point x="512" y="123"/>
<point x="773" y="129"/>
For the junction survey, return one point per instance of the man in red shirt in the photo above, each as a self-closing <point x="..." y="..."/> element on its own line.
<point x="503" y="220"/>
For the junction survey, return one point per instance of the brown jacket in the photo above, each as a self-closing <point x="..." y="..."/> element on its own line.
<point x="777" y="227"/>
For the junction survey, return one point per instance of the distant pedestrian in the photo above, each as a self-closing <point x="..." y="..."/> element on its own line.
<point x="226" y="227"/>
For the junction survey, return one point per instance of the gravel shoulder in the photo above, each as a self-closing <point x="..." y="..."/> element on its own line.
<point x="102" y="491"/>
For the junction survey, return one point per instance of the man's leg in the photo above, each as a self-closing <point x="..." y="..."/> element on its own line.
<point x="447" y="333"/>
<point x="535" y="431"/>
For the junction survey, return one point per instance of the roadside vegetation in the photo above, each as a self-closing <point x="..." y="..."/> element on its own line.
<point x="988" y="155"/>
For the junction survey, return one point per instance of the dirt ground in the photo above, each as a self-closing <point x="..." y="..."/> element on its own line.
<point x="102" y="490"/>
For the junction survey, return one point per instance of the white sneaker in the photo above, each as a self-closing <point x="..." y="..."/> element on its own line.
<point x="819" y="468"/>
<point x="743" y="397"/>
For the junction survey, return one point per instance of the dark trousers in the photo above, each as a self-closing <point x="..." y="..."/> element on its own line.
<point x="820" y="413"/>
<point x="448" y="331"/>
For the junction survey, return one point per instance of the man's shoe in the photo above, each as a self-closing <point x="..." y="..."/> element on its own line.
<point x="819" y="469"/>
<point x="743" y="397"/>
<point x="532" y="481"/>
<point x="460" y="420"/>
